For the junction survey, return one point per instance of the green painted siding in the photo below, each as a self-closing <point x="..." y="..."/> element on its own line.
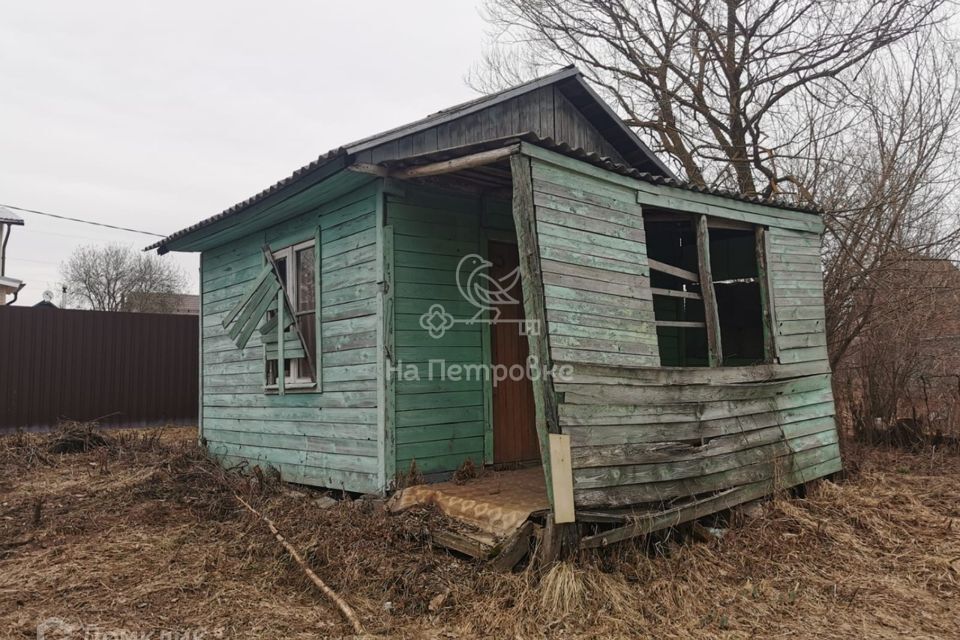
<point x="596" y="281"/>
<point x="644" y="434"/>
<point x="797" y="284"/>
<point x="439" y="423"/>
<point x="327" y="439"/>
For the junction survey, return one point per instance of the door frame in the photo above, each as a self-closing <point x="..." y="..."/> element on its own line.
<point x="486" y="237"/>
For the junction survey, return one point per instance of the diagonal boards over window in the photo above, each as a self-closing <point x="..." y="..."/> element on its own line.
<point x="266" y="304"/>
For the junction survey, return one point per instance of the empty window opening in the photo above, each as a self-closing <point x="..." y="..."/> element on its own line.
<point x="675" y="281"/>
<point x="733" y="262"/>
<point x="683" y="313"/>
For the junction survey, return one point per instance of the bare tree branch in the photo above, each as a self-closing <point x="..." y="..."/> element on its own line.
<point x="119" y="278"/>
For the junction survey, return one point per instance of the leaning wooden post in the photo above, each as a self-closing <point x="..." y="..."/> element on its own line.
<point x="711" y="314"/>
<point x="562" y="538"/>
<point x="766" y="295"/>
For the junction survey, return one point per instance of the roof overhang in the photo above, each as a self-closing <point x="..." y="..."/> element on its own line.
<point x="310" y="186"/>
<point x="473" y="157"/>
<point x="568" y="81"/>
<point x="10" y="284"/>
<point x="9" y="217"/>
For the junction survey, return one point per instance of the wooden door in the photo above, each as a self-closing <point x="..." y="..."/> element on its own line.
<point x="514" y="426"/>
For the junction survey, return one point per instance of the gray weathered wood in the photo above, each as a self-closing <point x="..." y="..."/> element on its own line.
<point x="524" y="218"/>
<point x="669" y="269"/>
<point x="714" y="344"/>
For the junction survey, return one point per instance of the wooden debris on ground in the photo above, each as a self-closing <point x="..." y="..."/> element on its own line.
<point x="332" y="595"/>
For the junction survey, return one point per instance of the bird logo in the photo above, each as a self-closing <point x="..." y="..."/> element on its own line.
<point x="482" y="291"/>
<point x="478" y="288"/>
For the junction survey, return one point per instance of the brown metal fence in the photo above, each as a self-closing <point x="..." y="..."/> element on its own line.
<point x="117" y="368"/>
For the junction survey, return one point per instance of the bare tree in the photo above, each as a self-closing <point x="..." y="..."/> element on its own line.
<point x="715" y="84"/>
<point x="118" y="277"/>
<point x="850" y="104"/>
<point x="887" y="183"/>
<point x="904" y="364"/>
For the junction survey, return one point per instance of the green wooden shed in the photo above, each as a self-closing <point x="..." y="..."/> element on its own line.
<point x="374" y="311"/>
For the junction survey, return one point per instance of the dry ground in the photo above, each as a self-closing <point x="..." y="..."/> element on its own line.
<point x="144" y="534"/>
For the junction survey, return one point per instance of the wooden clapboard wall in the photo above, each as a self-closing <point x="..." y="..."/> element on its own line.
<point x="797" y="283"/>
<point x="440" y="423"/>
<point x="642" y="434"/>
<point x="327" y="438"/>
<point x="596" y="282"/>
<point x="545" y="111"/>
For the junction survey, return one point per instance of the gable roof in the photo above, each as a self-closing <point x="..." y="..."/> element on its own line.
<point x="559" y="106"/>
<point x="519" y="110"/>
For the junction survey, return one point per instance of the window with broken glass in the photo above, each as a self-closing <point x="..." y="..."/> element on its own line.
<point x="297" y="269"/>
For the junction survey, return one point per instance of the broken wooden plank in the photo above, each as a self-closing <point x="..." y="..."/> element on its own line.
<point x="669" y="269"/>
<point x="561" y="478"/>
<point x="681" y="324"/>
<point x="247" y="297"/>
<point x="476" y="545"/>
<point x="648" y="523"/>
<point x="514" y="549"/>
<point x="673" y="293"/>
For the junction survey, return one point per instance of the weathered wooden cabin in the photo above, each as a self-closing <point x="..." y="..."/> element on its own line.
<point x="678" y="330"/>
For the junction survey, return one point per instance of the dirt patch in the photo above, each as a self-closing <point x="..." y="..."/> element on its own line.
<point x="142" y="532"/>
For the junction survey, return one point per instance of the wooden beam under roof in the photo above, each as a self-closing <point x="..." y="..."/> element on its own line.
<point x="437" y="168"/>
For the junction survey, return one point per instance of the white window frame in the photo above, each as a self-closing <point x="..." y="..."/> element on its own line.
<point x="295" y="380"/>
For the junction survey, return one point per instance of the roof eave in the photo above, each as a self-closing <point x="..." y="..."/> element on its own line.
<point x="317" y="171"/>
<point x="630" y="133"/>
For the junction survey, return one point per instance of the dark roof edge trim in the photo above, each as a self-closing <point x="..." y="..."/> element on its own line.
<point x="315" y="172"/>
<point x="626" y="130"/>
<point x="530" y="145"/>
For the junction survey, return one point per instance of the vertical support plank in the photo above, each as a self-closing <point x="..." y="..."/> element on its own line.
<point x="709" y="295"/>
<point x="524" y="218"/>
<point x="766" y="296"/>
<point x="562" y="478"/>
<point x="386" y="382"/>
<point x="281" y="356"/>
<point x="486" y="346"/>
<point x="766" y="279"/>
<point x="200" y="360"/>
<point x="318" y="305"/>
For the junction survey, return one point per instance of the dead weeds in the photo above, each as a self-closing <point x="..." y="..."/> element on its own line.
<point x="141" y="531"/>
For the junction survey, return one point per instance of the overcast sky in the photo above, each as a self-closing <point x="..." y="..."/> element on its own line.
<point x="153" y="115"/>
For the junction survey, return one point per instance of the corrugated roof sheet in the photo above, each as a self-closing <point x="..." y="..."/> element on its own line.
<point x="240" y="206"/>
<point x="598" y="161"/>
<point x="609" y="165"/>
<point x="450" y="113"/>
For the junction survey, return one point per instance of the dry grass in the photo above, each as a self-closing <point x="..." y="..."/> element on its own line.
<point x="142" y="532"/>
